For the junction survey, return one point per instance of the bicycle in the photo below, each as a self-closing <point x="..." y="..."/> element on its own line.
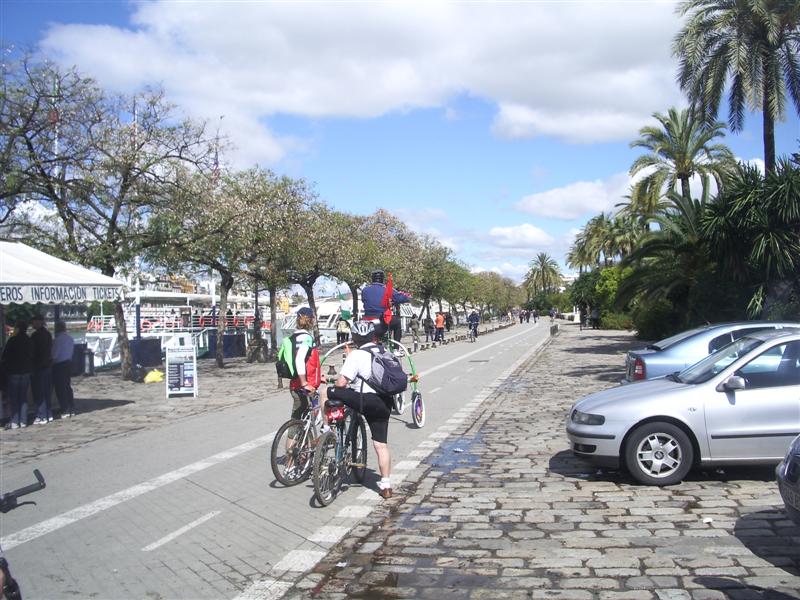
<point x="341" y="451"/>
<point x="292" y="453"/>
<point x="473" y="332"/>
<point x="8" y="502"/>
<point x="399" y="400"/>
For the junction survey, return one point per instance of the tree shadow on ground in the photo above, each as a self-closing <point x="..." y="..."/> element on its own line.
<point x="772" y="536"/>
<point x="609" y="345"/>
<point x="86" y="405"/>
<point x="736" y="590"/>
<point x="598" y="373"/>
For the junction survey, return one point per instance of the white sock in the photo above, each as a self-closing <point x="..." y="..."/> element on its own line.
<point x="384" y="483"/>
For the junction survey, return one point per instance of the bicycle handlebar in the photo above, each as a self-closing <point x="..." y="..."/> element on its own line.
<point x="9" y="501"/>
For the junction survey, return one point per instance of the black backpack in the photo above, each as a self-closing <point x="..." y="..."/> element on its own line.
<point x="284" y="364"/>
<point x="388" y="377"/>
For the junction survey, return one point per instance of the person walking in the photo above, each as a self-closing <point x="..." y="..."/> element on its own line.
<point x="42" y="374"/>
<point x="439" y="323"/>
<point x="342" y="331"/>
<point x="535" y="315"/>
<point x="414" y="326"/>
<point x="17" y="362"/>
<point x="63" y="348"/>
<point x="429" y="329"/>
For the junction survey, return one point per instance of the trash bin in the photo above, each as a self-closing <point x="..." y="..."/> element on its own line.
<point x="79" y="359"/>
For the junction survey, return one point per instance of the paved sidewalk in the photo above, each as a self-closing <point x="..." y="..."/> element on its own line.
<point x="503" y="510"/>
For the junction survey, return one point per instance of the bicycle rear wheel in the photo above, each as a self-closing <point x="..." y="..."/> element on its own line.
<point x="358" y="448"/>
<point x="327" y="475"/>
<point x="292" y="454"/>
<point x="418" y="409"/>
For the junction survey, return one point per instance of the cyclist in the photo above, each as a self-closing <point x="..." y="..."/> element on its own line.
<point x="376" y="306"/>
<point x="353" y="390"/>
<point x="473" y="319"/>
<point x="308" y="373"/>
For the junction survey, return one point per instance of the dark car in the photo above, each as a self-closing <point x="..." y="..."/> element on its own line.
<point x="680" y="351"/>
<point x="788" y="474"/>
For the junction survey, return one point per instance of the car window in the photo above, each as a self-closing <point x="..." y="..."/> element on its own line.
<point x="748" y="330"/>
<point x="718" y="342"/>
<point x="713" y="364"/>
<point x="667" y="342"/>
<point x="779" y="366"/>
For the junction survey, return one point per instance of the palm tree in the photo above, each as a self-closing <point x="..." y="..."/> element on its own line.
<point x="543" y="274"/>
<point x="747" y="46"/>
<point x="679" y="148"/>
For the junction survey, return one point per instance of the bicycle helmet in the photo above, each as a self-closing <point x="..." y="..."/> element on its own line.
<point x="377" y="276"/>
<point x="362" y="332"/>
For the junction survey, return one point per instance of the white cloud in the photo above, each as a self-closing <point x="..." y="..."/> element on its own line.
<point x="515" y="271"/>
<point x="525" y="237"/>
<point x="577" y="199"/>
<point x="580" y="71"/>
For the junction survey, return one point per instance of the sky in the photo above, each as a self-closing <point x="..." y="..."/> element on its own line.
<point x="499" y="128"/>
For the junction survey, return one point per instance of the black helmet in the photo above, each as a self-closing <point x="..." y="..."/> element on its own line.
<point x="362" y="332"/>
<point x="377" y="276"/>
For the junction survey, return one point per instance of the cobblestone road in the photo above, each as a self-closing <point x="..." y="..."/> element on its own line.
<point x="503" y="510"/>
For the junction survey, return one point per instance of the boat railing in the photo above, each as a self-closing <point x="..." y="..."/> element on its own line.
<point x="155" y="320"/>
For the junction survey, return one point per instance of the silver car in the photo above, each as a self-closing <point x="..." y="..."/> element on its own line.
<point x="740" y="405"/>
<point x="682" y="350"/>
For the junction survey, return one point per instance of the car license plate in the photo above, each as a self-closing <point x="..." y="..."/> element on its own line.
<point x="791" y="497"/>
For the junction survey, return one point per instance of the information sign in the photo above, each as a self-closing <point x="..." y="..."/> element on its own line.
<point x="181" y="367"/>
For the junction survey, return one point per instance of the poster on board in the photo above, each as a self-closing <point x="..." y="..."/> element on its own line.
<point x="181" y="367"/>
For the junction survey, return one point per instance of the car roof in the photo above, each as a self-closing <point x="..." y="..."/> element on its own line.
<point x="791" y="333"/>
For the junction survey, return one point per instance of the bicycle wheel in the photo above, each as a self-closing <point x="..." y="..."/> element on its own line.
<point x="327" y="475"/>
<point x="418" y="409"/>
<point x="400" y="403"/>
<point x="357" y="448"/>
<point x="292" y="455"/>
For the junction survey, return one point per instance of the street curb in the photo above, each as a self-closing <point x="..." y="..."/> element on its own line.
<point x="313" y="579"/>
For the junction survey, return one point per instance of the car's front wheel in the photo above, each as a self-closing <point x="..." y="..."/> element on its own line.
<point x="658" y="454"/>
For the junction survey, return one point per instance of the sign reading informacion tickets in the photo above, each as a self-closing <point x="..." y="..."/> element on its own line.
<point x="181" y="366"/>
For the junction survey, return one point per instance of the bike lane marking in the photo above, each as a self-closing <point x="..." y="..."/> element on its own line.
<point x="181" y="531"/>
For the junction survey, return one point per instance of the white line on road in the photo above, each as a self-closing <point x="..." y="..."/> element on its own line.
<point x="87" y="510"/>
<point x="266" y="589"/>
<point x="181" y="531"/>
<point x="434" y="390"/>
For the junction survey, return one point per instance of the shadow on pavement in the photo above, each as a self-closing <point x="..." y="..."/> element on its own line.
<point x="598" y="373"/>
<point x="566" y="464"/>
<point x="85" y="405"/>
<point x="770" y="535"/>
<point x="611" y="345"/>
<point x="734" y="589"/>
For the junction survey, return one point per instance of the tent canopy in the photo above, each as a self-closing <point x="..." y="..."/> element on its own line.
<point x="30" y="276"/>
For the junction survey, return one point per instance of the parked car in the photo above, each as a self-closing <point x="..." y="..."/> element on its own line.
<point x="686" y="348"/>
<point x="788" y="474"/>
<point x="740" y="405"/>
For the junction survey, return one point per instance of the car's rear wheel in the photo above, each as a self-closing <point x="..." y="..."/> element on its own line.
<point x="658" y="454"/>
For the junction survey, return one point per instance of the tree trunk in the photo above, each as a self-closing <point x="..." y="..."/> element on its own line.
<point x="426" y="306"/>
<point x="125" y="359"/>
<point x="225" y="285"/>
<point x="273" y="320"/>
<point x="769" y="131"/>
<point x="354" y="291"/>
<point x="686" y="191"/>
<point x="309" y="290"/>
<point x="439" y="300"/>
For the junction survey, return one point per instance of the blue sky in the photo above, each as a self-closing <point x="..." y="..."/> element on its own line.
<point x="498" y="128"/>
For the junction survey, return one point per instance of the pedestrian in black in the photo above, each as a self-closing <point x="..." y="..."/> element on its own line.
<point x="42" y="374"/>
<point x="17" y="362"/>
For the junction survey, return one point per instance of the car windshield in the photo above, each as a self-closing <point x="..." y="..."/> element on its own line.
<point x="667" y="342"/>
<point x="712" y="364"/>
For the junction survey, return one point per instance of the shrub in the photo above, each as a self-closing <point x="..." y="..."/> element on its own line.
<point x="655" y="320"/>
<point x="615" y="320"/>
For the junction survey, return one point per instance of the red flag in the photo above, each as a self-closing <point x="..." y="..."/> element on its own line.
<point x="387" y="300"/>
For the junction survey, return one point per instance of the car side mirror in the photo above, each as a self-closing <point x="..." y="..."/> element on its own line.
<point x="733" y="383"/>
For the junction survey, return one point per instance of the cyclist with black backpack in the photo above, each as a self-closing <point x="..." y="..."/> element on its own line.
<point x="356" y="388"/>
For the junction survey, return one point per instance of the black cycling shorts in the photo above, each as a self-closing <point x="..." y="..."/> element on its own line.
<point x="376" y="409"/>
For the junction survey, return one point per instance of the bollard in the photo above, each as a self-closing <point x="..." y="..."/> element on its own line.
<point x="331" y="370"/>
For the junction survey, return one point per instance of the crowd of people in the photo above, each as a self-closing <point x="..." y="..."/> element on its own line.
<point x="41" y="363"/>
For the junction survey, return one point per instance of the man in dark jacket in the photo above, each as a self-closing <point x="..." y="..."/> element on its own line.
<point x="17" y="362"/>
<point x="42" y="375"/>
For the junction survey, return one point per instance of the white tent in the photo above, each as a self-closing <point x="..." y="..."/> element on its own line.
<point x="30" y="276"/>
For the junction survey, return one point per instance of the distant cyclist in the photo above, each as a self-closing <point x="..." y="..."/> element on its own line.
<point x="353" y="390"/>
<point x="473" y="319"/>
<point x="378" y="308"/>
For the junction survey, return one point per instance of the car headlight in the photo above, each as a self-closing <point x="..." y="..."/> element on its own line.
<point x="586" y="418"/>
